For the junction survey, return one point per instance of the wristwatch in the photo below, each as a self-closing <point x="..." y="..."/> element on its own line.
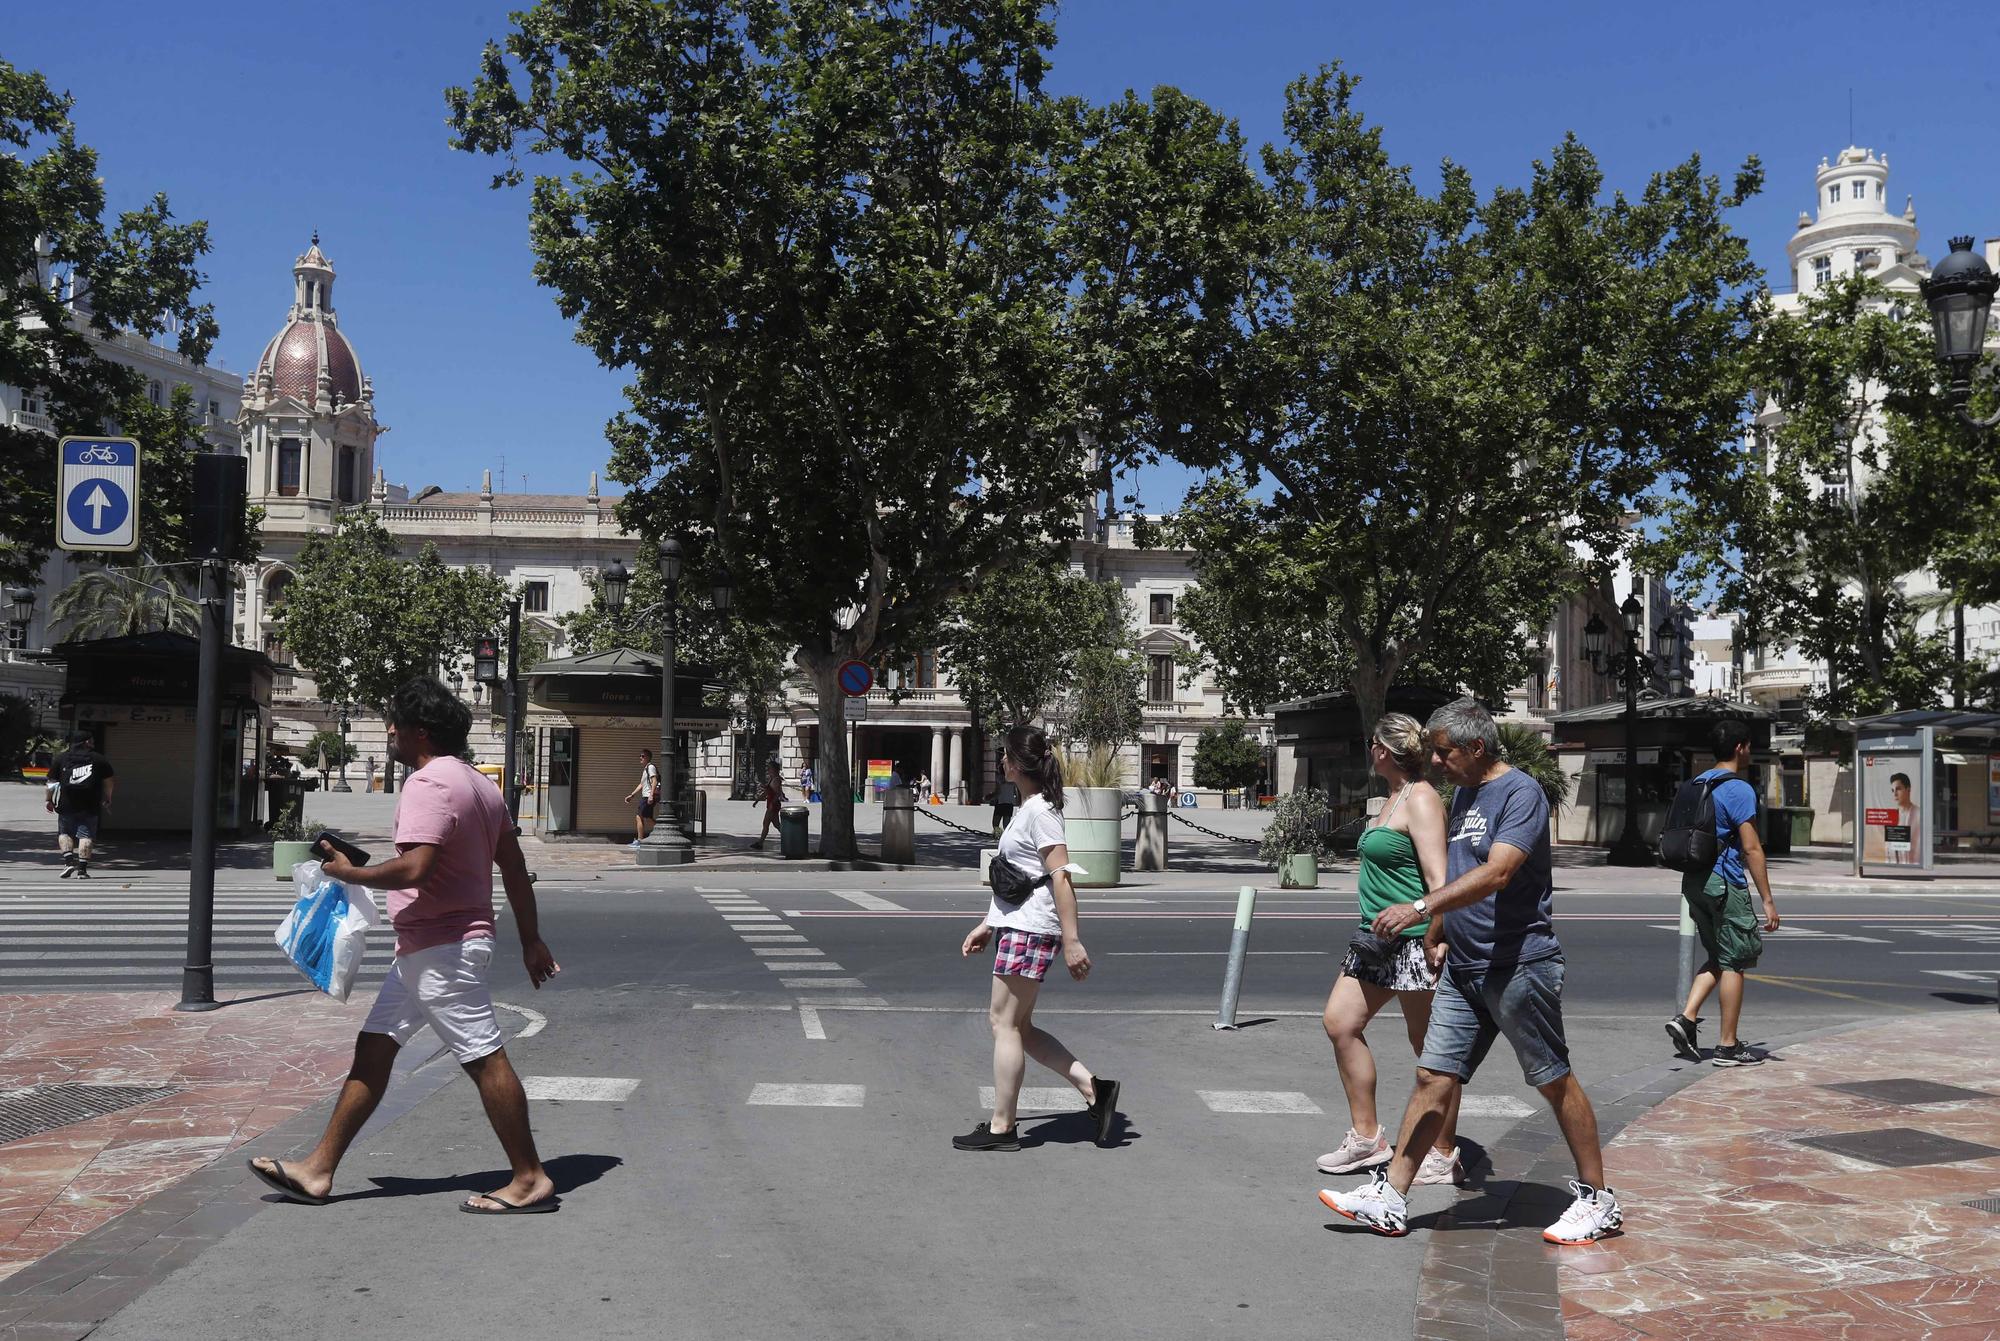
<point x="1423" y="909"/>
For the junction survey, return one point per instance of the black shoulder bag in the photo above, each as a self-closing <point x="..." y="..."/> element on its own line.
<point x="1010" y="885"/>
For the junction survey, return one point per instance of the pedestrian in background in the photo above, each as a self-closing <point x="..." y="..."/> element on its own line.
<point x="648" y="794"/>
<point x="1718" y="901"/>
<point x="452" y="828"/>
<point x="1030" y="934"/>
<point x="774" y="797"/>
<point x="1402" y="857"/>
<point x="81" y="785"/>
<point x="1503" y="975"/>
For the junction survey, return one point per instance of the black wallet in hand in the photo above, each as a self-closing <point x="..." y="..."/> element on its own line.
<point x="330" y="842"/>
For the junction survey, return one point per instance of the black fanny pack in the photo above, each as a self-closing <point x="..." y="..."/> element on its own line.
<point x="1011" y="886"/>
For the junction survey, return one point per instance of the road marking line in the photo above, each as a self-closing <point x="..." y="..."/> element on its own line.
<point x="796" y="983"/>
<point x="872" y="902"/>
<point x="715" y="889"/>
<point x="809" y="1018"/>
<point x="1799" y="986"/>
<point x="750" y="917"/>
<point x="1954" y="954"/>
<point x="1039" y="1099"/>
<point x="1963" y="975"/>
<point x="803" y="966"/>
<point x="758" y="939"/>
<point x="808" y="1096"/>
<point x="583" y="1089"/>
<point x="756" y="930"/>
<point x="1258" y="1101"/>
<point x="1159" y="954"/>
<point x="536" y="1020"/>
<point x="782" y="950"/>
<point x="1493" y="1105"/>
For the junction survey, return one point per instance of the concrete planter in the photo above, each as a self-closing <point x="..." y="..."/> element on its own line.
<point x="284" y="856"/>
<point x="1300" y="871"/>
<point x="1090" y="821"/>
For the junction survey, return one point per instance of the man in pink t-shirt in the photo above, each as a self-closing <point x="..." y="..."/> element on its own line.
<point x="452" y="828"/>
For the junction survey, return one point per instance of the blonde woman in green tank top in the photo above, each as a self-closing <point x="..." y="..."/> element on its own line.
<point x="1402" y="856"/>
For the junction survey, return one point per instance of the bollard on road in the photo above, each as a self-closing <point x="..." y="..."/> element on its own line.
<point x="1149" y="839"/>
<point x="1687" y="957"/>
<point x="1239" y="946"/>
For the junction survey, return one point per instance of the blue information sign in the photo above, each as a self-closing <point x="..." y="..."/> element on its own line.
<point x="97" y="494"/>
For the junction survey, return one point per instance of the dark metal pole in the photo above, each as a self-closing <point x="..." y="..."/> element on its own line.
<point x="198" y="975"/>
<point x="1630" y="850"/>
<point x="513" y="710"/>
<point x="667" y="845"/>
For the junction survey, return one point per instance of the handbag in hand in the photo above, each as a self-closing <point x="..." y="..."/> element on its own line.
<point x="1010" y="885"/>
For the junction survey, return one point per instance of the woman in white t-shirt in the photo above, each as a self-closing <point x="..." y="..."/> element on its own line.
<point x="1030" y="934"/>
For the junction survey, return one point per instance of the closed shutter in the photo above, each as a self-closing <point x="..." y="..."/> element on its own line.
<point x="607" y="767"/>
<point x="150" y="761"/>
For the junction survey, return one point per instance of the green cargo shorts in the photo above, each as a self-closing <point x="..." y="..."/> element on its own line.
<point x="1724" y="920"/>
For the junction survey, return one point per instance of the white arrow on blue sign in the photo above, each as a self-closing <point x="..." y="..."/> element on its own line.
<point x="97" y="495"/>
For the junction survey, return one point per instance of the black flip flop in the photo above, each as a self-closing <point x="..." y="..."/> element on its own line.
<point x="282" y="1183"/>
<point x="542" y="1207"/>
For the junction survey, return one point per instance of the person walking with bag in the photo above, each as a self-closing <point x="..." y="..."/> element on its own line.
<point x="1033" y="912"/>
<point x="452" y="828"/>
<point x="81" y="785"/>
<point x="648" y="794"/>
<point x="1402" y="857"/>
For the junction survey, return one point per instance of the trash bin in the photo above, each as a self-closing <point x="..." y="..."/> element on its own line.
<point x="1777" y="831"/>
<point x="1802" y="826"/>
<point x="792" y="833"/>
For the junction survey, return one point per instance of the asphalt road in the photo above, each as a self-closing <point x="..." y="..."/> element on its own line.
<point x="750" y="1168"/>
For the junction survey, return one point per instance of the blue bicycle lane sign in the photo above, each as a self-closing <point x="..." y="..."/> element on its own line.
<point x="97" y="494"/>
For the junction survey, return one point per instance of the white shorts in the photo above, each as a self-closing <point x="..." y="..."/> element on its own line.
<point x="443" y="987"/>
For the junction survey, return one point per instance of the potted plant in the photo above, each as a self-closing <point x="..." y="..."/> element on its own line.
<point x="1295" y="838"/>
<point x="291" y="840"/>
<point x="1093" y="796"/>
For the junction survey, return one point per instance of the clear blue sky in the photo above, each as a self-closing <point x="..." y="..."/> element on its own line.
<point x="270" y="120"/>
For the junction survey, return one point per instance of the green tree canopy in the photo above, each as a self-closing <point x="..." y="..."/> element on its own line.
<point x="823" y="238"/>
<point x="1433" y="401"/>
<point x="115" y="602"/>
<point x="361" y="619"/>
<point x="1226" y="756"/>
<point x="67" y="278"/>
<point x="1012" y="642"/>
<point x="1856" y="477"/>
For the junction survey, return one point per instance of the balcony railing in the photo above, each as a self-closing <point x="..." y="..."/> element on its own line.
<point x="41" y="423"/>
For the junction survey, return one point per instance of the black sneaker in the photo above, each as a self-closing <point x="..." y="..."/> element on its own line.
<point x="1681" y="1030"/>
<point x="68" y="871"/>
<point x="1105" y="1109"/>
<point x="82" y="871"/>
<point x="984" y="1137"/>
<point x="1735" y="1054"/>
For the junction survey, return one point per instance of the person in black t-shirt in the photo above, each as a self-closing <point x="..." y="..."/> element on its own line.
<point x="84" y="785"/>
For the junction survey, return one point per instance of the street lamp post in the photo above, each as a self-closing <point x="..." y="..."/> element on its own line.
<point x="21" y="608"/>
<point x="1960" y="295"/>
<point x="342" y="785"/>
<point x="1632" y="667"/>
<point x="666" y="845"/>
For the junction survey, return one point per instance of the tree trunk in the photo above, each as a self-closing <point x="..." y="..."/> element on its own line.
<point x="1371" y="692"/>
<point x="836" y="790"/>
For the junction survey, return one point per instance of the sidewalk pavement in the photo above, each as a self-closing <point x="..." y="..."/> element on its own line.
<point x="176" y="1092"/>
<point x="1848" y="1188"/>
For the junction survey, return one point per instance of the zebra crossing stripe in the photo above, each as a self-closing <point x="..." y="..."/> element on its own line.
<point x="808" y="1096"/>
<point x="1258" y="1101"/>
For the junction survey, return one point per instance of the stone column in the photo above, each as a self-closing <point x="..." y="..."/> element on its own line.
<point x="939" y="782"/>
<point x="955" y="772"/>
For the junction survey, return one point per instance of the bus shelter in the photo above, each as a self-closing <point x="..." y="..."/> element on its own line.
<point x="1928" y="784"/>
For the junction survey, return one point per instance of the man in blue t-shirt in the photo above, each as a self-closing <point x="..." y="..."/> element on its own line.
<point x="1503" y="975"/>
<point x="1718" y="902"/>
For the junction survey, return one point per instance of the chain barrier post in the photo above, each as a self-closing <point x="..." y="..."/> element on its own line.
<point x="1239" y="946"/>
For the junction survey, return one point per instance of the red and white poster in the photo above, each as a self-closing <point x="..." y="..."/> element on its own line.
<point x="1892" y="825"/>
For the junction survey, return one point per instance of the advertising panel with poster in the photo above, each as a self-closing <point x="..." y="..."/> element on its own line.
<point x="1993" y="791"/>
<point x="1893" y="829"/>
<point x="880" y="772"/>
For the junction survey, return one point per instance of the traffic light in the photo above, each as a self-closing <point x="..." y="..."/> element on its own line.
<point x="486" y="661"/>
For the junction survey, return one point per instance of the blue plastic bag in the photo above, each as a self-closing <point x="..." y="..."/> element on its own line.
<point x="326" y="932"/>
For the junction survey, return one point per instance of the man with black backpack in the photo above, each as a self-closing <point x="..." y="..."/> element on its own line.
<point x="1711" y="838"/>
<point x="82" y="783"/>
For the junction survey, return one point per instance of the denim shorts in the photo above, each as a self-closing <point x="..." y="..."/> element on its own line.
<point x="1521" y="1001"/>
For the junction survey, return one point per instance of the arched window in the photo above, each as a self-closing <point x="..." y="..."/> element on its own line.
<point x="276" y="588"/>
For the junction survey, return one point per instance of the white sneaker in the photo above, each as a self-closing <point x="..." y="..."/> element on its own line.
<point x="1374" y="1203"/>
<point x="636" y="842"/>
<point x="1589" y="1218"/>
<point x="1439" y="1167"/>
<point x="1358" y="1152"/>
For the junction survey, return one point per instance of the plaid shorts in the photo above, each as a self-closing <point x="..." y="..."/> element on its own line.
<point x="1024" y="954"/>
